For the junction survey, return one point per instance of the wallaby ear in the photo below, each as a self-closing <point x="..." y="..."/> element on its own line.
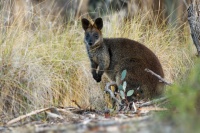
<point x="85" y="23"/>
<point x="99" y="23"/>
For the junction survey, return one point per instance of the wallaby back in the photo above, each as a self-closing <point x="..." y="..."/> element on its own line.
<point x="113" y="55"/>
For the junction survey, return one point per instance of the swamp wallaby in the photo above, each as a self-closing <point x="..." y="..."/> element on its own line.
<point x="113" y="55"/>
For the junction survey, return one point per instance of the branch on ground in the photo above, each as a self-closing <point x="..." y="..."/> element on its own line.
<point x="153" y="102"/>
<point x="107" y="89"/>
<point x="75" y="102"/>
<point x="27" y="115"/>
<point x="158" y="76"/>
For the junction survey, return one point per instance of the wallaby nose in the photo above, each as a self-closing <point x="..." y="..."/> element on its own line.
<point x="90" y="43"/>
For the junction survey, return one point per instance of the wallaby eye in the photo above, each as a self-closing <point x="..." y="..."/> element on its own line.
<point x="87" y="35"/>
<point x="96" y="35"/>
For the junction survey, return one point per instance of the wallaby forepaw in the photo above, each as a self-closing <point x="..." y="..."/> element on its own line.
<point x="97" y="78"/>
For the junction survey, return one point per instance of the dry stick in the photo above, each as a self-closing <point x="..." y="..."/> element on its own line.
<point x="153" y="102"/>
<point x="111" y="93"/>
<point x="158" y="76"/>
<point x="75" y="102"/>
<point x="27" y="115"/>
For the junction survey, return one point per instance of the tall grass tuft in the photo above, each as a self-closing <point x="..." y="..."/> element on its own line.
<point x="44" y="67"/>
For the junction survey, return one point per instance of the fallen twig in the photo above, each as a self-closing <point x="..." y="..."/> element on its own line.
<point x="158" y="76"/>
<point x="75" y="102"/>
<point x="153" y="102"/>
<point x="111" y="93"/>
<point x="54" y="115"/>
<point x="150" y="108"/>
<point x="27" y="115"/>
<point x="134" y="107"/>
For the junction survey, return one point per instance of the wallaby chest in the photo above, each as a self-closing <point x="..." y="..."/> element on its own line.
<point x="98" y="55"/>
<point x="95" y="59"/>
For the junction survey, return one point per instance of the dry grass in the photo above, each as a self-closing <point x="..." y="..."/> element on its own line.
<point x="43" y="68"/>
<point x="50" y="67"/>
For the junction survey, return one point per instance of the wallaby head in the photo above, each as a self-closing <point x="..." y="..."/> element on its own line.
<point x="93" y="35"/>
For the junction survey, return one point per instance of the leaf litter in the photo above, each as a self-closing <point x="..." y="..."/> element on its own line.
<point x="79" y="119"/>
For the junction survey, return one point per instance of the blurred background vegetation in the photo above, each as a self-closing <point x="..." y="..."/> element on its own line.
<point x="43" y="61"/>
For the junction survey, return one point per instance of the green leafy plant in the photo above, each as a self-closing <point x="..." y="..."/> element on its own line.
<point x="123" y="86"/>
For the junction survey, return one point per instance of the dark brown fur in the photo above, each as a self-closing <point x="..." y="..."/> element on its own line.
<point x="113" y="55"/>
